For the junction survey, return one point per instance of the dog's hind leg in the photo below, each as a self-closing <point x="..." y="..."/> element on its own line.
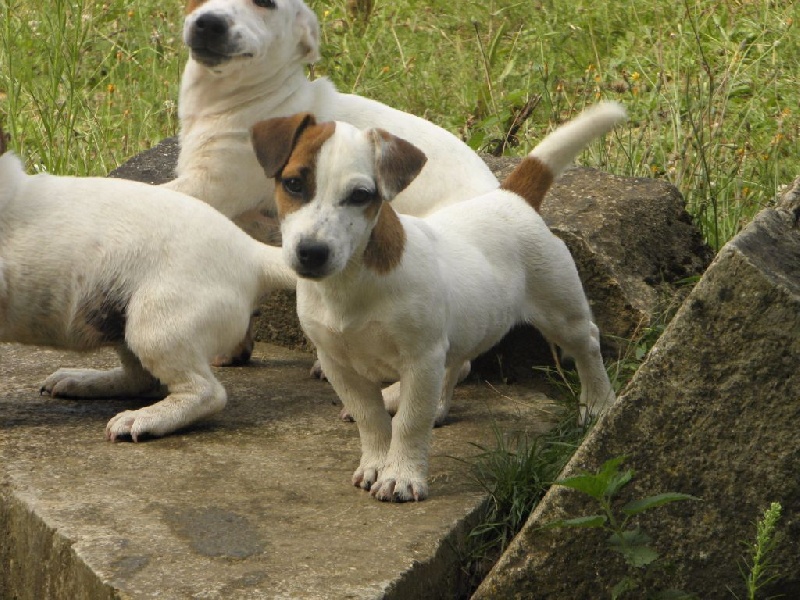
<point x="579" y="338"/>
<point x="130" y="379"/>
<point x="391" y="394"/>
<point x="452" y="376"/>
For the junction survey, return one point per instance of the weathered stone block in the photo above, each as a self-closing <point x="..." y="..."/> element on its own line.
<point x="712" y="412"/>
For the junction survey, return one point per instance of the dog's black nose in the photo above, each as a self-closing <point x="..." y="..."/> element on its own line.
<point x="210" y="26"/>
<point x="312" y="255"/>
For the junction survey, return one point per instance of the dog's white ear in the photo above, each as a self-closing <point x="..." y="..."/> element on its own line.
<point x="306" y="26"/>
<point x="397" y="162"/>
<point x="274" y="140"/>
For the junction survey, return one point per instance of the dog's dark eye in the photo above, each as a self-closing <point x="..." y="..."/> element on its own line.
<point x="265" y="3"/>
<point x="360" y="197"/>
<point x="293" y="185"/>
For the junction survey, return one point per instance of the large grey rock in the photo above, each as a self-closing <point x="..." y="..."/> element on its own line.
<point x="712" y="412"/>
<point x="254" y="503"/>
<point x="631" y="238"/>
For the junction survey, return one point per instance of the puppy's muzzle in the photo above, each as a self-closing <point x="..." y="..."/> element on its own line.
<point x="210" y="40"/>
<point x="312" y="259"/>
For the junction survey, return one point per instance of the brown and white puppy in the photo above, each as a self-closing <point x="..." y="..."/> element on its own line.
<point x="160" y="276"/>
<point x="388" y="296"/>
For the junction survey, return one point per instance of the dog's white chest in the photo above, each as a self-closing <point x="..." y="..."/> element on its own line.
<point x="368" y="349"/>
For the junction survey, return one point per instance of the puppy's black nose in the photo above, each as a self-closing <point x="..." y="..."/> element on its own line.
<point x="312" y="256"/>
<point x="210" y="28"/>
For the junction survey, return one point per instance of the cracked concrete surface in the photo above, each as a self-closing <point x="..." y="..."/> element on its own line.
<point x="254" y="503"/>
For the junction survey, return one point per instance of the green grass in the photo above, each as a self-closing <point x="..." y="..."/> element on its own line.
<point x="710" y="85"/>
<point x="85" y="85"/>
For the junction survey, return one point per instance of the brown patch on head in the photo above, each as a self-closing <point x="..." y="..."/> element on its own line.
<point x="300" y="164"/>
<point x="193" y="5"/>
<point x="531" y="180"/>
<point x="387" y="240"/>
<point x="287" y="149"/>
<point x="274" y="140"/>
<point x="397" y="162"/>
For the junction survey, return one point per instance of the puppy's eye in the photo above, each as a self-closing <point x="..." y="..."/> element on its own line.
<point x="265" y="3"/>
<point x="293" y="186"/>
<point x="360" y="197"/>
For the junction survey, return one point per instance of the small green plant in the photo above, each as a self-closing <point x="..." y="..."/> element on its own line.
<point x="515" y="474"/>
<point x="759" y="571"/>
<point x="625" y="538"/>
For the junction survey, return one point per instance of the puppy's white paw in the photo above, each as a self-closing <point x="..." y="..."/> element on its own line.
<point x="365" y="476"/>
<point x="133" y="423"/>
<point x="317" y="372"/>
<point x="345" y="416"/>
<point x="394" y="487"/>
<point x="93" y="383"/>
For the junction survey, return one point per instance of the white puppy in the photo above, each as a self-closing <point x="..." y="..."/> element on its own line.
<point x="247" y="64"/>
<point x="384" y="295"/>
<point x="160" y="276"/>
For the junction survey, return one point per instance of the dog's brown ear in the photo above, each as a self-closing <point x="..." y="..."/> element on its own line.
<point x="397" y="162"/>
<point x="274" y="140"/>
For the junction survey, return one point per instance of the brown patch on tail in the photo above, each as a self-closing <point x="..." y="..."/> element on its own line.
<point x="387" y="241"/>
<point x="531" y="180"/>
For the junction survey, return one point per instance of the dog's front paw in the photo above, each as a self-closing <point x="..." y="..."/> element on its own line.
<point x="391" y="488"/>
<point x="65" y="383"/>
<point x="93" y="383"/>
<point x="365" y="476"/>
<point x="150" y="420"/>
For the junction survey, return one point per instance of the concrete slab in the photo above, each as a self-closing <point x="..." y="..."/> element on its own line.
<point x="255" y="503"/>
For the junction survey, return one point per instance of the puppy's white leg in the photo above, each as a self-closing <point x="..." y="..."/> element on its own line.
<point x="130" y="379"/>
<point x="391" y="395"/>
<point x="241" y="354"/>
<point x="579" y="338"/>
<point x="404" y="476"/>
<point x="362" y="400"/>
<point x="193" y="395"/>
<point x="452" y="376"/>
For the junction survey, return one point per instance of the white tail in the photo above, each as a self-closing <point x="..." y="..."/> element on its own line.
<point x="560" y="148"/>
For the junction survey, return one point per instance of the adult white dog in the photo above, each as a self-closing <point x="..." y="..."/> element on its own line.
<point x="247" y="64"/>
<point x="388" y="296"/>
<point x="160" y="276"/>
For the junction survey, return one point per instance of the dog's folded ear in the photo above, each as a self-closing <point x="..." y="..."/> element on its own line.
<point x="306" y="28"/>
<point x="274" y="140"/>
<point x="397" y="162"/>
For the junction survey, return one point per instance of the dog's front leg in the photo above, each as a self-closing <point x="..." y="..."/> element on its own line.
<point x="404" y="476"/>
<point x="193" y="395"/>
<point x="362" y="400"/>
